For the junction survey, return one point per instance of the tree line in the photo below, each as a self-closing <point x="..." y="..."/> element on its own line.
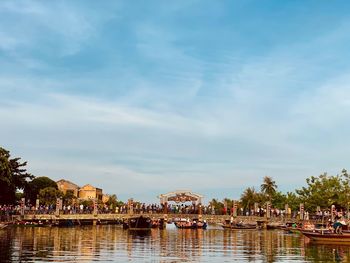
<point x="16" y="183"/>
<point x="320" y="191"/>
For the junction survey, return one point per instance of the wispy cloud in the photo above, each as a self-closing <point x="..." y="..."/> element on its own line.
<point x="185" y="98"/>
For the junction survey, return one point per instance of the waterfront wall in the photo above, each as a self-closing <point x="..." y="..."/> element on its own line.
<point x="212" y="219"/>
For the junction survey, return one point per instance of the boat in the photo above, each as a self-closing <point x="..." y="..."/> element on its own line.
<point x="327" y="236"/>
<point x="2" y="226"/>
<point x="138" y="223"/>
<point x="159" y="223"/>
<point x="188" y="224"/>
<point x="228" y="224"/>
<point x="292" y="227"/>
<point x="274" y="225"/>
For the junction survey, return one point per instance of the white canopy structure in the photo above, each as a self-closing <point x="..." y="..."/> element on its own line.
<point x="180" y="196"/>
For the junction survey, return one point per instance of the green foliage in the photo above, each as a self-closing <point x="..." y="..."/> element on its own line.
<point x="112" y="202"/>
<point x="279" y="200"/>
<point x="218" y="206"/>
<point x="33" y="188"/>
<point x="69" y="198"/>
<point x="324" y="191"/>
<point x="268" y="187"/>
<point x="13" y="177"/>
<point x="49" y="195"/>
<point x="249" y="197"/>
<point x="87" y="203"/>
<point x="293" y="201"/>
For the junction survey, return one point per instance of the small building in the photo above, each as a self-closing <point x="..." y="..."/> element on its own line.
<point x="67" y="186"/>
<point x="90" y="192"/>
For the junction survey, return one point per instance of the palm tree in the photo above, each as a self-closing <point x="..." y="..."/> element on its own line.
<point x="268" y="187"/>
<point x="248" y="197"/>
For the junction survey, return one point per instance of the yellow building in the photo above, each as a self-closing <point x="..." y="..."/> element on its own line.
<point x="105" y="198"/>
<point x="67" y="186"/>
<point x="90" y="192"/>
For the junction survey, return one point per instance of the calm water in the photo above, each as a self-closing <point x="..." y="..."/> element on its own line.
<point x="113" y="244"/>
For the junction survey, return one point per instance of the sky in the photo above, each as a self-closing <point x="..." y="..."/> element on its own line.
<point x="141" y="98"/>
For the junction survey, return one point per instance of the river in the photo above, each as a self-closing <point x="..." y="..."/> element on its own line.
<point x="110" y="243"/>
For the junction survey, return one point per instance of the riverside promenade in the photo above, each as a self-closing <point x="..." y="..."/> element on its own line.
<point x="110" y="218"/>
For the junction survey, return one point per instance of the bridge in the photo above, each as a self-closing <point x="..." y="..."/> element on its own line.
<point x="179" y="196"/>
<point x="113" y="218"/>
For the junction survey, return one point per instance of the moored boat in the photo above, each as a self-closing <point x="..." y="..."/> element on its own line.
<point x="2" y="226"/>
<point x="292" y="227"/>
<point x="240" y="225"/>
<point x="159" y="223"/>
<point x="188" y="224"/>
<point x="274" y="225"/>
<point x="326" y="236"/>
<point x="139" y="223"/>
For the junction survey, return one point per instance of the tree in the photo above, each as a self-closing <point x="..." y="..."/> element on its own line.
<point x="13" y="177"/>
<point x="322" y="191"/>
<point x="293" y="201"/>
<point x="33" y="188"/>
<point x="69" y="198"/>
<point x="279" y="200"/>
<point x="268" y="187"/>
<point x="248" y="198"/>
<point x="218" y="206"/>
<point x="112" y="202"/>
<point x="49" y="195"/>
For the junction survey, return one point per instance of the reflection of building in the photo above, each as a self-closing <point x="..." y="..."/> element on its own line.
<point x="67" y="186"/>
<point x="84" y="193"/>
<point x="90" y="192"/>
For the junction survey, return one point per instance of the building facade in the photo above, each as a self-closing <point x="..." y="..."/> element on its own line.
<point x="67" y="186"/>
<point x="90" y="192"/>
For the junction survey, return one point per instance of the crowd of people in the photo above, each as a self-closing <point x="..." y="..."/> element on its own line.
<point x="6" y="211"/>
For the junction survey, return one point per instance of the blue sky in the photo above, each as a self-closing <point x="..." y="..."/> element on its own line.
<point x="144" y="97"/>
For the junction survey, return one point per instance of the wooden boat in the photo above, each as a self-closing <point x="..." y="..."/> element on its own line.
<point x="159" y="223"/>
<point x="327" y="236"/>
<point x="244" y="227"/>
<point x="233" y="225"/>
<point x="274" y="225"/>
<point x="139" y="223"/>
<point x="194" y="224"/>
<point x="2" y="226"/>
<point x="292" y="227"/>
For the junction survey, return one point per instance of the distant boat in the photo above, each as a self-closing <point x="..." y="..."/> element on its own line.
<point x="275" y="225"/>
<point x="327" y="236"/>
<point x="159" y="223"/>
<point x="138" y="223"/>
<point x="292" y="227"/>
<point x="188" y="224"/>
<point x="233" y="225"/>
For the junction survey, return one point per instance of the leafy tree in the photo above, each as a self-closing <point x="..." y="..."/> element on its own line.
<point x="218" y="206"/>
<point x="345" y="193"/>
<point x="13" y="177"/>
<point x="293" y="201"/>
<point x="69" y="198"/>
<point x="87" y="203"/>
<point x="33" y="188"/>
<point x="112" y="202"/>
<point x="268" y="187"/>
<point x="322" y="191"/>
<point x="279" y="200"/>
<point x="49" y="195"/>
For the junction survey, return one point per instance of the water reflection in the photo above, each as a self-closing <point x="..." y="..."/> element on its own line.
<point x="111" y="243"/>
